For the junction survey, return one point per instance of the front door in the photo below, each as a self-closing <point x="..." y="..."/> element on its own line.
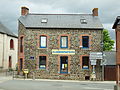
<point x="10" y="63"/>
<point x="21" y="64"/>
<point x="64" y="64"/>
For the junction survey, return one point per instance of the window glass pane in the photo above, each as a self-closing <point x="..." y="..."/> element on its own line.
<point x="43" y="41"/>
<point x="64" y="41"/>
<point x="85" y="41"/>
<point x="42" y="62"/>
<point x="85" y="62"/>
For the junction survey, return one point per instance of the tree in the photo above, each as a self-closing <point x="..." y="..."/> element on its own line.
<point x="108" y="43"/>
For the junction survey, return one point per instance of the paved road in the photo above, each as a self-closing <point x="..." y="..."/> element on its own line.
<point x="6" y="83"/>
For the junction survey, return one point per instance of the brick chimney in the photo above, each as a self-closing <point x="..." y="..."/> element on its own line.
<point x="24" y="10"/>
<point x="95" y="12"/>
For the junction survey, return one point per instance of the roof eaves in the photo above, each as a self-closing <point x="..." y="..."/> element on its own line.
<point x="63" y="28"/>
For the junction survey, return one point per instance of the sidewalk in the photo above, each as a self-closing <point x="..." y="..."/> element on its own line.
<point x="53" y="80"/>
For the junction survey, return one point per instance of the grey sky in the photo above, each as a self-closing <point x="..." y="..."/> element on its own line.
<point x="10" y="9"/>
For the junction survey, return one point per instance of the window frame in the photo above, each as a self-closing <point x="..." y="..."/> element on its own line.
<point x="11" y="44"/>
<point x="40" y="42"/>
<point x="85" y="42"/>
<point x="88" y="62"/>
<point x="42" y="64"/>
<point x="64" y="64"/>
<point x="21" y="44"/>
<point x="66" y="42"/>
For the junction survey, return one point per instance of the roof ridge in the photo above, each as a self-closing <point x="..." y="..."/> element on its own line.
<point x="58" y="14"/>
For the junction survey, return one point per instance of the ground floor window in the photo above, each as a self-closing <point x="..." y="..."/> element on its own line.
<point x="85" y="62"/>
<point x="64" y="64"/>
<point x="42" y="62"/>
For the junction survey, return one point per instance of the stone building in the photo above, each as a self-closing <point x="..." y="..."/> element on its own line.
<point x="8" y="48"/>
<point x="58" y="46"/>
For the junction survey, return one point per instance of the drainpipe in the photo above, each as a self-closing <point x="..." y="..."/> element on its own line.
<point x="3" y="53"/>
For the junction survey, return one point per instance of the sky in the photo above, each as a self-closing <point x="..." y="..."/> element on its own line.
<point x="10" y="10"/>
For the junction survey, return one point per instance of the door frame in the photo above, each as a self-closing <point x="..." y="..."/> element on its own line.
<point x="61" y="65"/>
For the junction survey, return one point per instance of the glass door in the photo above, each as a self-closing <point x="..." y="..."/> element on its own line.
<point x="63" y="64"/>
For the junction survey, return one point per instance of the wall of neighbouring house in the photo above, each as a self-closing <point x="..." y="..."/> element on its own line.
<point x="5" y="51"/>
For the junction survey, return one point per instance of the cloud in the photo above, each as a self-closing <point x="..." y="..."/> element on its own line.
<point x="10" y="10"/>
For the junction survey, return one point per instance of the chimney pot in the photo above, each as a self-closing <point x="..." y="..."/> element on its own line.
<point x="24" y="10"/>
<point x="95" y="12"/>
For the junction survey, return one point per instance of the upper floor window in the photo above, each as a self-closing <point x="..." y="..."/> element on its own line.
<point x="64" y="42"/>
<point x="85" y="41"/>
<point x="43" y="41"/>
<point x="21" y="44"/>
<point x="11" y="44"/>
<point x="42" y="62"/>
<point x="85" y="62"/>
<point x="44" y="20"/>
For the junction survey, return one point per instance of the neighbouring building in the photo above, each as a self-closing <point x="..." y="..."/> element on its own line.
<point x="116" y="26"/>
<point x="8" y="48"/>
<point x="57" y="46"/>
<point x="109" y="65"/>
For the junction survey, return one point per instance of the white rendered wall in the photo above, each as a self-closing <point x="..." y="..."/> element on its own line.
<point x="6" y="52"/>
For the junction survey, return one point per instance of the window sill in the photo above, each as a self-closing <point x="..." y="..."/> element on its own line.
<point x="11" y="48"/>
<point x="85" y="69"/>
<point x="86" y="48"/>
<point x="42" y="48"/>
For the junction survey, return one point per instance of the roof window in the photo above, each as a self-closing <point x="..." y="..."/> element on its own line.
<point x="44" y="20"/>
<point x="83" y="21"/>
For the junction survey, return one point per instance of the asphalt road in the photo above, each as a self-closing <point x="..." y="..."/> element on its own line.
<point x="42" y="84"/>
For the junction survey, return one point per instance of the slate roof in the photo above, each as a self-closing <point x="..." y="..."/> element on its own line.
<point x="61" y="21"/>
<point x="5" y="30"/>
<point x="110" y="58"/>
<point x="117" y="22"/>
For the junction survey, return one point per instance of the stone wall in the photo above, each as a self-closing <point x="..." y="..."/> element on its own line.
<point x="31" y="48"/>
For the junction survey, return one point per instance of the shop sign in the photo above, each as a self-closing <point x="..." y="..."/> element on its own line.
<point x="58" y="51"/>
<point x="96" y="55"/>
<point x="93" y="62"/>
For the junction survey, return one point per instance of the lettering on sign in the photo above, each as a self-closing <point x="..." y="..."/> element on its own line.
<point x="56" y="51"/>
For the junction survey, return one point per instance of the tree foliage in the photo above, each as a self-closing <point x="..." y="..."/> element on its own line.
<point x="108" y="43"/>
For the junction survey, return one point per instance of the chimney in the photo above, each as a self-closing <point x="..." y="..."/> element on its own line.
<point x="24" y="10"/>
<point x="95" y="12"/>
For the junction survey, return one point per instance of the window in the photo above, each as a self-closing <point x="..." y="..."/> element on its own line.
<point x="43" y="41"/>
<point x="64" y="42"/>
<point x="42" y="62"/>
<point x="44" y="20"/>
<point x="11" y="44"/>
<point x="83" y="21"/>
<point x="21" y="44"/>
<point x="85" y="41"/>
<point x="85" y="62"/>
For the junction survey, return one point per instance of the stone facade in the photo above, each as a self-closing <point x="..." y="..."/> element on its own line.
<point x="52" y="71"/>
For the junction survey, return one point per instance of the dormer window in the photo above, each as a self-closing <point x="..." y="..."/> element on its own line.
<point x="44" y="20"/>
<point x="83" y="21"/>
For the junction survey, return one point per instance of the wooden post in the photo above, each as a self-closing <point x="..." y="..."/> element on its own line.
<point x="25" y="75"/>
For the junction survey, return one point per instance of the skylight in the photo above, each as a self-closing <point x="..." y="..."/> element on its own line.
<point x="44" y="20"/>
<point x="83" y="21"/>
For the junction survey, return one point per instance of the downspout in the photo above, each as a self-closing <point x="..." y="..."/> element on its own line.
<point x="3" y="53"/>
